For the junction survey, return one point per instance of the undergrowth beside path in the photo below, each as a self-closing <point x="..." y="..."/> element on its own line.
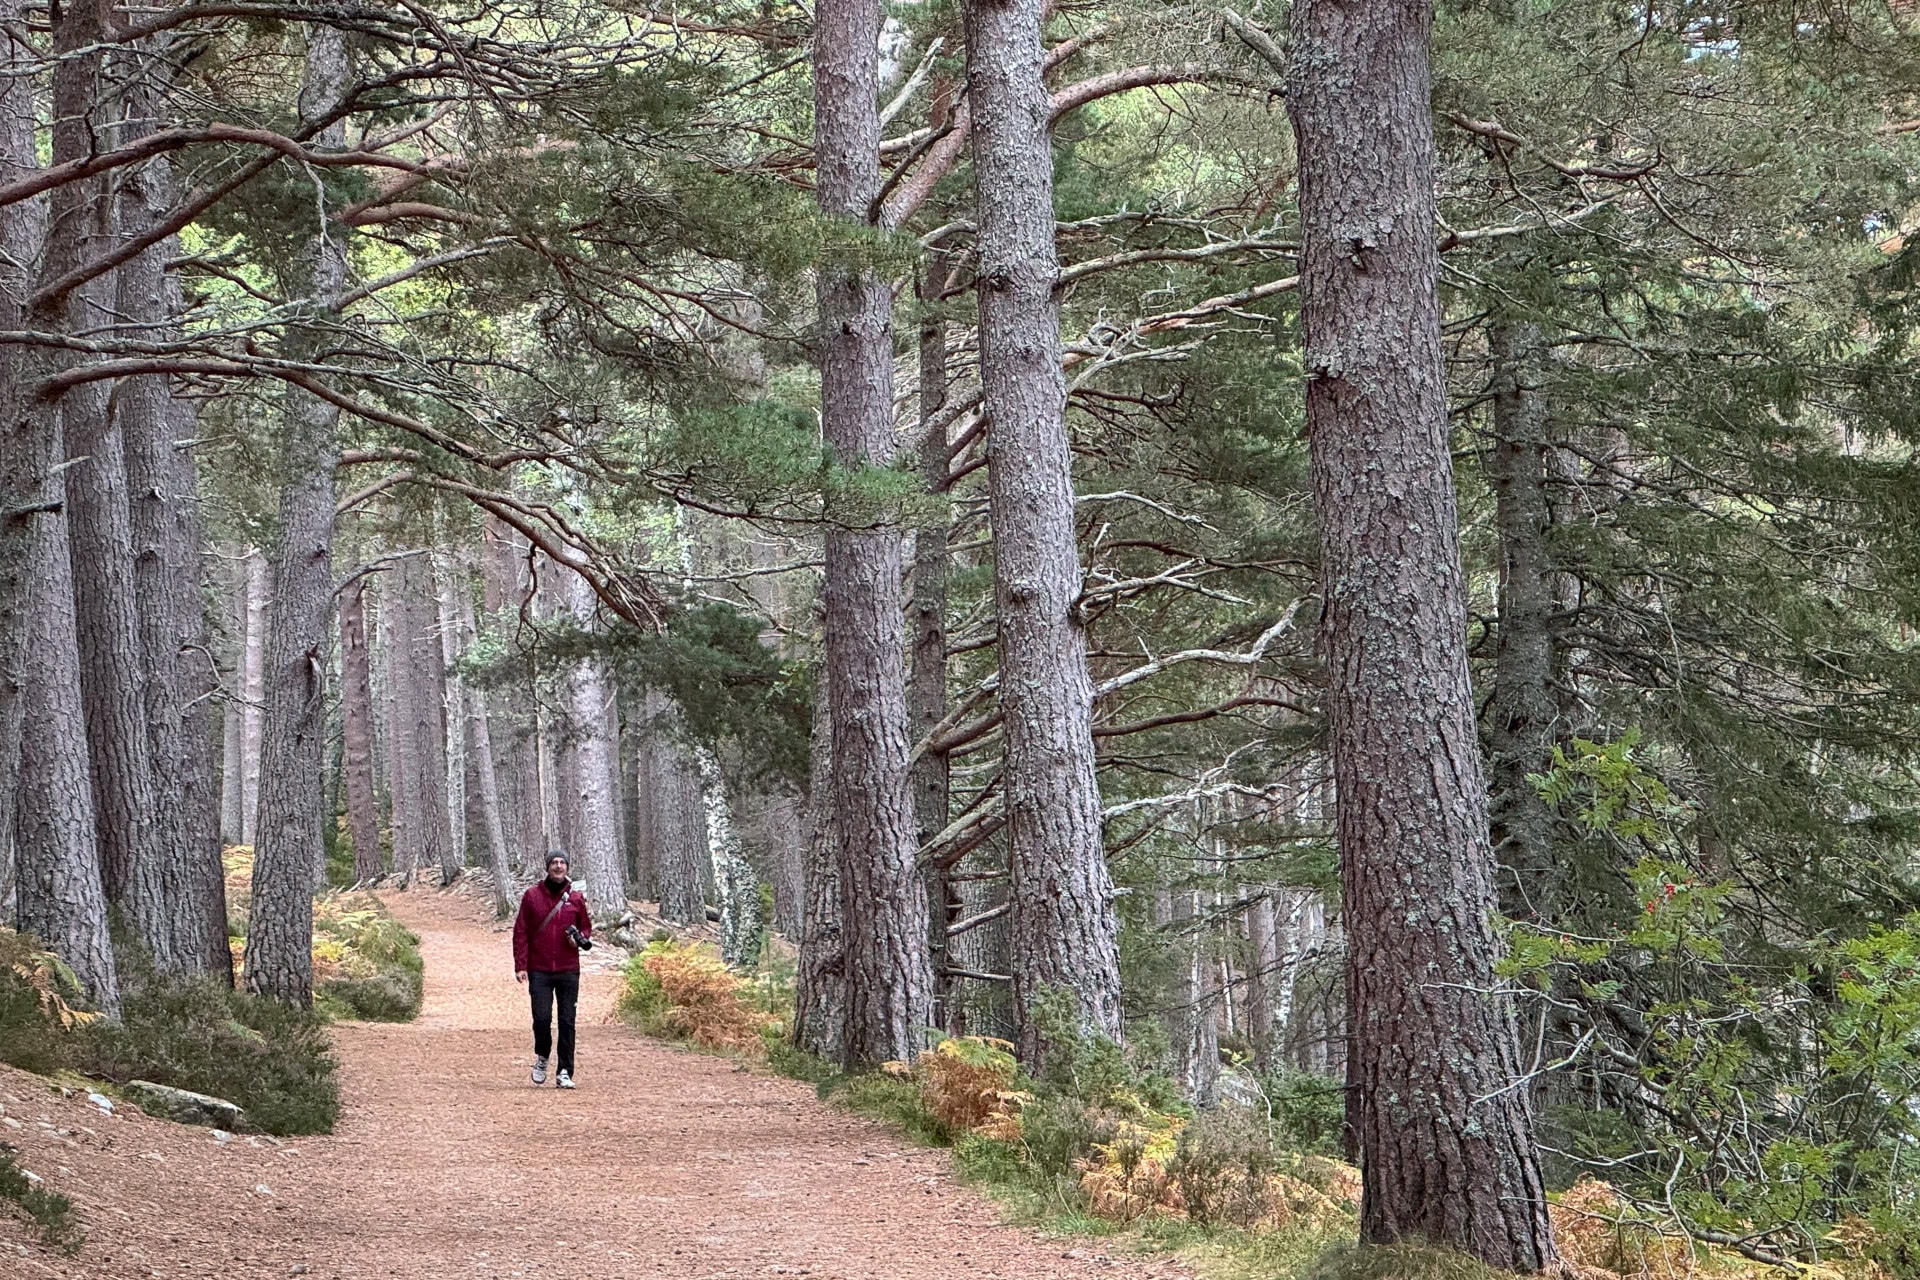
<point x="275" y="1063"/>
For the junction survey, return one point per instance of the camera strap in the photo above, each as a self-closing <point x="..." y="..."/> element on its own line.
<point x="564" y="899"/>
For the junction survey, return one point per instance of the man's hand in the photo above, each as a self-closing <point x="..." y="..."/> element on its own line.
<point x="519" y="975"/>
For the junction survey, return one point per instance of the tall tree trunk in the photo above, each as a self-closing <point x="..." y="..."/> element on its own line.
<point x="232" y="578"/>
<point x="927" y="687"/>
<point x="673" y="805"/>
<point x="596" y="763"/>
<point x="1523" y="713"/>
<point x="253" y="687"/>
<point x="168" y="570"/>
<point x="1190" y="1018"/>
<point x="1264" y="1022"/>
<point x="356" y="700"/>
<point x="820" y="985"/>
<point x="60" y="884"/>
<point x="885" y="922"/>
<point x="453" y="712"/>
<point x="1065" y="931"/>
<point x="1445" y="1144"/>
<point x="635" y="817"/>
<point x="62" y="899"/>
<point x="25" y="457"/>
<point x="738" y="888"/>
<point x="480" y="740"/>
<point x="113" y="682"/>
<point x="783" y="833"/>
<point x="288" y="840"/>
<point x="393" y="698"/>
<point x="419" y="695"/>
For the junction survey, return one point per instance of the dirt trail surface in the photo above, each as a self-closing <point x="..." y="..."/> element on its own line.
<point x="448" y="1163"/>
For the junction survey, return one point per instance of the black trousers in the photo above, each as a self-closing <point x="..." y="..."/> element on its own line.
<point x="544" y="987"/>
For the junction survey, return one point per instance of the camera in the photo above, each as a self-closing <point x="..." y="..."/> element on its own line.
<point x="573" y="936"/>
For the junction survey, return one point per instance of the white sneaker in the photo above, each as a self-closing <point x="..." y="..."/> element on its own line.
<point x="540" y="1071"/>
<point x="564" y="1080"/>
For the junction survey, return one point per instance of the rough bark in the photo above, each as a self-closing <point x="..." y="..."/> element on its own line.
<point x="288" y="842"/>
<point x="24" y="455"/>
<point x="927" y="684"/>
<point x="113" y="682"/>
<point x="62" y="900"/>
<point x="782" y="828"/>
<point x="885" y="921"/>
<point x="671" y="802"/>
<point x="391" y="698"/>
<point x="422" y="730"/>
<point x="480" y="742"/>
<point x="1523" y="714"/>
<point x="635" y="819"/>
<point x="503" y="566"/>
<point x="1263" y="965"/>
<point x="168" y="569"/>
<point x="1445" y="1144"/>
<point x="1065" y="932"/>
<point x="820" y="990"/>
<point x="61" y="896"/>
<point x="356" y="705"/>
<point x="596" y="762"/>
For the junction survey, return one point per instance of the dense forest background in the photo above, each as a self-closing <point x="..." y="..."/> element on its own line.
<point x="430" y="436"/>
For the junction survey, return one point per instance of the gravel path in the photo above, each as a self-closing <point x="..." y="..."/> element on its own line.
<point x="448" y="1163"/>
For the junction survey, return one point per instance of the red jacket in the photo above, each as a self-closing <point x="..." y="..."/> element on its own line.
<point x="544" y="947"/>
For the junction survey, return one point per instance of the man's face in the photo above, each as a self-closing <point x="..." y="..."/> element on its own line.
<point x="557" y="869"/>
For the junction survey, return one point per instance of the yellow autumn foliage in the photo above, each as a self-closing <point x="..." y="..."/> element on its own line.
<point x="1603" y="1236"/>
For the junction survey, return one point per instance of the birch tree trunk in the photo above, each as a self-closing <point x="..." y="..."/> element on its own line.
<point x="1065" y="932"/>
<point x="233" y="715"/>
<point x="453" y="711"/>
<point x="288" y="844"/>
<point x="1446" y="1146"/>
<point x="738" y="887"/>
<point x="253" y="687"/>
<point x="889" y="982"/>
<point x="356" y="709"/>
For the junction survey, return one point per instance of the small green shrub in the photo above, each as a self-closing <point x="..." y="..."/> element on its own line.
<point x="35" y="1013"/>
<point x="1310" y="1110"/>
<point x="893" y="1099"/>
<point x="272" y="1061"/>
<point x="1221" y="1162"/>
<point x="1409" y="1260"/>
<point x="643" y="1001"/>
<point x="50" y="1211"/>
<point x="1057" y="1129"/>
<point x="790" y="1060"/>
<point x="366" y="964"/>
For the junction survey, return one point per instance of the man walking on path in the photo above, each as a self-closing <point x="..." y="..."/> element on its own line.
<point x="548" y="935"/>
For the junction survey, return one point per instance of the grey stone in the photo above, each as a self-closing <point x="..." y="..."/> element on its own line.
<point x="186" y="1106"/>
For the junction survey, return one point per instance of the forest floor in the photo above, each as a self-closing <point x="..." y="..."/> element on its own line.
<point x="448" y="1164"/>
